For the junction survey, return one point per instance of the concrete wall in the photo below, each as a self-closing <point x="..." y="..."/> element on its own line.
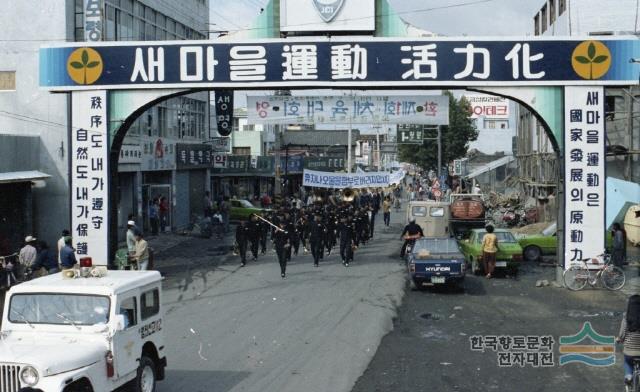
<point x="26" y="25"/>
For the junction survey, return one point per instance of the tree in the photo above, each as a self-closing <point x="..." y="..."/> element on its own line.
<point x="455" y="138"/>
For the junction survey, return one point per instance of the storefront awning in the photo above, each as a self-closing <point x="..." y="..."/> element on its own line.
<point x="22" y="176"/>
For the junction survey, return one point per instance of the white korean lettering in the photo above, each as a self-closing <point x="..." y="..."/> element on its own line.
<point x="348" y="62"/>
<point x="301" y="62"/>
<point x="155" y="63"/>
<point x="423" y="57"/>
<point x="471" y="52"/>
<point x="527" y="59"/>
<point x="185" y="52"/>
<point x="211" y="63"/>
<point x="248" y="63"/>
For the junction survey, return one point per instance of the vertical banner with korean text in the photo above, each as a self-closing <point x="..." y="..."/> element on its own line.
<point x="584" y="173"/>
<point x="224" y="111"/>
<point x="93" y="20"/>
<point x="89" y="155"/>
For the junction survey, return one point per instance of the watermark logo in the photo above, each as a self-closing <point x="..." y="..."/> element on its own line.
<point x="84" y="66"/>
<point x="575" y="348"/>
<point x="591" y="60"/>
<point x="328" y="9"/>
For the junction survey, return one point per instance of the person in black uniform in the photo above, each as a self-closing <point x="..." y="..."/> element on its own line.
<point x="254" y="227"/>
<point x="375" y="208"/>
<point x="412" y="229"/>
<point x="264" y="233"/>
<point x="281" y="243"/>
<point x="347" y="240"/>
<point x="316" y="235"/>
<point x="289" y="227"/>
<point x="242" y="236"/>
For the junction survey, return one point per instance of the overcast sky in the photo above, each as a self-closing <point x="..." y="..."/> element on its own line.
<point x="477" y="17"/>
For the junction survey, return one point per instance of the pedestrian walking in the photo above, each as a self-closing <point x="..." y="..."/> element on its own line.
<point x="347" y="240"/>
<point x="154" y="216"/>
<point x="386" y="211"/>
<point x="28" y="255"/>
<point x="281" y="243"/>
<point x="208" y="205"/>
<point x="164" y="213"/>
<point x="47" y="259"/>
<point x="67" y="255"/>
<point x="216" y="221"/>
<point x="489" y="250"/>
<point x="141" y="254"/>
<point x="317" y="233"/>
<point x="225" y="208"/>
<point x="629" y="336"/>
<point x="131" y="236"/>
<point x="619" y="241"/>
<point x="242" y="237"/>
<point x="254" y="227"/>
<point x="65" y="233"/>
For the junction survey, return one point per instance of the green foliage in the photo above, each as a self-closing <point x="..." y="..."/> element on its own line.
<point x="455" y="138"/>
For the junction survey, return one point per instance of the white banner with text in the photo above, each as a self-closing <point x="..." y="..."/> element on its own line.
<point x="319" y="179"/>
<point x="425" y="109"/>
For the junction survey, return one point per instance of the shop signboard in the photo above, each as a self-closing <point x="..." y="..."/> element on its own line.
<point x="193" y="156"/>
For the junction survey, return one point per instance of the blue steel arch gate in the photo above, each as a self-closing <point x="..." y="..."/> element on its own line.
<point x="118" y="81"/>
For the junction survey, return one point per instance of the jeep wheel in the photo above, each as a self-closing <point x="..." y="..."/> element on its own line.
<point x="532" y="253"/>
<point x="146" y="379"/>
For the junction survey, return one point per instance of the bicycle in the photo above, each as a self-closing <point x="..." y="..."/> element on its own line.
<point x="578" y="275"/>
<point x="635" y="380"/>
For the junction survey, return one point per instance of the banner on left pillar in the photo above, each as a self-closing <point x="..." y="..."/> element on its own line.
<point x="89" y="155"/>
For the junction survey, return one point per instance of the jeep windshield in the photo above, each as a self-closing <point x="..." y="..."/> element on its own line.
<point x="59" y="309"/>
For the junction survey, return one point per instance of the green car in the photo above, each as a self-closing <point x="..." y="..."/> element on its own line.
<point x="545" y="243"/>
<point x="509" y="253"/>
<point x="242" y="209"/>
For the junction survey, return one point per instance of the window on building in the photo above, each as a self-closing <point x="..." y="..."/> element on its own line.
<point x="552" y="11"/>
<point x="562" y="6"/>
<point x="110" y="26"/>
<point x="536" y="24"/>
<point x="543" y="19"/>
<point x="249" y="127"/>
<point x="490" y="124"/>
<point x="241" y="150"/>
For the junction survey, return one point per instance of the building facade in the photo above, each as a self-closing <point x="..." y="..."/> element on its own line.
<point x="537" y="161"/>
<point x="30" y="111"/>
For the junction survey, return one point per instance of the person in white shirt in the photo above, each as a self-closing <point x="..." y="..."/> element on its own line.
<point x="65" y="233"/>
<point x="476" y="189"/>
<point x="28" y="253"/>
<point x="131" y="238"/>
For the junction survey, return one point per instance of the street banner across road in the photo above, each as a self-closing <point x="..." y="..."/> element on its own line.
<point x="342" y="62"/>
<point x="318" y="179"/>
<point x="415" y="109"/>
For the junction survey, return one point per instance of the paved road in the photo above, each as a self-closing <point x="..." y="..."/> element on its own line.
<point x="246" y="329"/>
<point x="429" y="348"/>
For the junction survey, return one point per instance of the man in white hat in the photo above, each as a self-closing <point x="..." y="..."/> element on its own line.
<point x="28" y="253"/>
<point x="131" y="236"/>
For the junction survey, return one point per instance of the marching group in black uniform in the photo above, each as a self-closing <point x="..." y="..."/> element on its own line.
<point x="318" y="229"/>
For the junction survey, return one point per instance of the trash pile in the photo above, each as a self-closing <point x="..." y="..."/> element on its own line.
<point x="510" y="210"/>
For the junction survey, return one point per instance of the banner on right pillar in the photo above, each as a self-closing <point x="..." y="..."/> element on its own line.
<point x="584" y="173"/>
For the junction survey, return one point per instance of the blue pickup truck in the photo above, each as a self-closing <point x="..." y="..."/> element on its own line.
<point x="436" y="261"/>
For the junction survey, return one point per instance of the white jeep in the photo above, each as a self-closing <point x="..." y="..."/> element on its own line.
<point x="83" y="334"/>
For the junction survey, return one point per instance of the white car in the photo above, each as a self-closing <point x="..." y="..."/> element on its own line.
<point x="83" y="334"/>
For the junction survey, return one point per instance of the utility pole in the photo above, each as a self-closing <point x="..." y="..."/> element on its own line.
<point x="277" y="186"/>
<point x="439" y="151"/>
<point x="630" y="97"/>
<point x="349" y="138"/>
<point x="377" y="127"/>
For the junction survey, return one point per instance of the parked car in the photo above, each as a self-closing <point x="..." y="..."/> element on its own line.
<point x="242" y="209"/>
<point x="509" y="253"/>
<point x="65" y="332"/>
<point x="534" y="246"/>
<point x="436" y="261"/>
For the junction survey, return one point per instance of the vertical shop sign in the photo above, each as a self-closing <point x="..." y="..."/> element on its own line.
<point x="90" y="176"/>
<point x="584" y="173"/>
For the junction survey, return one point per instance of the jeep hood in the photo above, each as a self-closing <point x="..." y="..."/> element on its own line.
<point x="51" y="355"/>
